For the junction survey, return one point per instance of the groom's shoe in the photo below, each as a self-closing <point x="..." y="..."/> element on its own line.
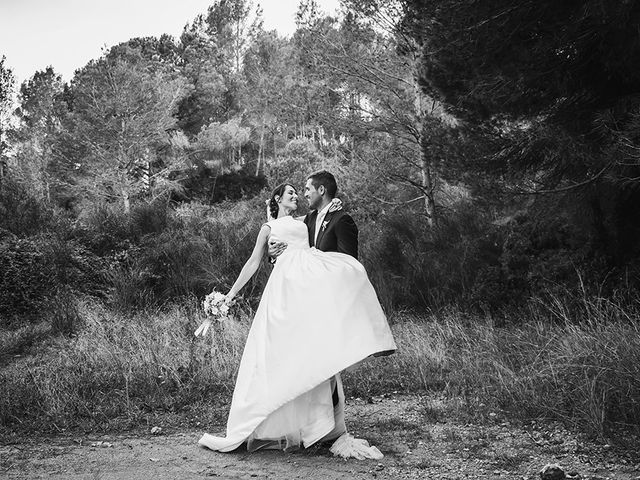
<point x="335" y="397"/>
<point x="338" y="416"/>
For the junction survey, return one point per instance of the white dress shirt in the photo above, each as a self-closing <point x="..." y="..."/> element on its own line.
<point x="319" y="219"/>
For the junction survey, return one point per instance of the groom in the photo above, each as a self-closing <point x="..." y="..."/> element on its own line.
<point x="328" y="231"/>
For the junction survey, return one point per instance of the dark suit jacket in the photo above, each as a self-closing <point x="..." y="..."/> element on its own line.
<point x="339" y="235"/>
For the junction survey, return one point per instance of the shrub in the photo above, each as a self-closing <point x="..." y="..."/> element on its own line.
<point x="236" y="185"/>
<point x="25" y="278"/>
<point x="130" y="286"/>
<point x="147" y="218"/>
<point x="226" y="235"/>
<point x="35" y="271"/>
<point x="415" y="265"/>
<point x="177" y="261"/>
<point x="105" y="228"/>
<point x="203" y="247"/>
<point x="21" y="213"/>
<point x="206" y="185"/>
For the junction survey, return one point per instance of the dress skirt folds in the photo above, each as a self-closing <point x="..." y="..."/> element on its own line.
<point x="318" y="315"/>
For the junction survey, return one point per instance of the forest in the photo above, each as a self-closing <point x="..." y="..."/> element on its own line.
<point x="488" y="151"/>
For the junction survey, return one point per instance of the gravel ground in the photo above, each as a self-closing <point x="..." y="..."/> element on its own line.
<point x="418" y="436"/>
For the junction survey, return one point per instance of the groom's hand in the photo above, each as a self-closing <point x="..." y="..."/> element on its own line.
<point x="336" y="205"/>
<point x="276" y="248"/>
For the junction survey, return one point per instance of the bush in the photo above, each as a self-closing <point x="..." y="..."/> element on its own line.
<point x="205" y="185"/>
<point x="236" y="185"/>
<point x="414" y="265"/>
<point x="130" y="286"/>
<point x="38" y="270"/>
<point x="25" y="278"/>
<point x="472" y="263"/>
<point x="203" y="248"/>
<point x="21" y="213"/>
<point x="105" y="228"/>
<point x="177" y="262"/>
<point x="148" y="218"/>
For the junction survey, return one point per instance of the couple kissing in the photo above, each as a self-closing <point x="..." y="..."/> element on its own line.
<point x="318" y="315"/>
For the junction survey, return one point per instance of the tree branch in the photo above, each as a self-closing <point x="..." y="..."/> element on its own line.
<point x="569" y="187"/>
<point x="422" y="197"/>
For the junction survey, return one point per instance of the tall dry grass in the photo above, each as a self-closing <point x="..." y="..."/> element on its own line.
<point x="585" y="373"/>
<point x="119" y="367"/>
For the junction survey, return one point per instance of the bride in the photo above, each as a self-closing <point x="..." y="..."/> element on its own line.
<point x="318" y="315"/>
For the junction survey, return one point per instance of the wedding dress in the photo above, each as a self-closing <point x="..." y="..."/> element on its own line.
<point x="318" y="315"/>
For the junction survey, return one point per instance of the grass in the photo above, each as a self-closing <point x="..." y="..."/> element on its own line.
<point x="117" y="370"/>
<point x="119" y="367"/>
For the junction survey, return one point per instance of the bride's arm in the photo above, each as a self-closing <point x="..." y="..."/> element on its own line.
<point x="251" y="265"/>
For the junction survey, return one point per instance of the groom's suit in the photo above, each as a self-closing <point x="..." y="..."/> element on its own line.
<point x="338" y="233"/>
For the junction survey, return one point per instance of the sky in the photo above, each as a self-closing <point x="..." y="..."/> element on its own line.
<point x="66" y="34"/>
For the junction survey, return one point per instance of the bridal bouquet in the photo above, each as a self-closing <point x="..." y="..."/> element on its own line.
<point x="216" y="308"/>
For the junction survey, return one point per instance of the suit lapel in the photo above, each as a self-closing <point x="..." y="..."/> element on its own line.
<point x="327" y="219"/>
<point x="311" y="226"/>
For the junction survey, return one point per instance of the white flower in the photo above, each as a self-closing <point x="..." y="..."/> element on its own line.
<point x="215" y="307"/>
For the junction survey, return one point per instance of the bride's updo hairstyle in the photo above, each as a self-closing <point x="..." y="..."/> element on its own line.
<point x="273" y="207"/>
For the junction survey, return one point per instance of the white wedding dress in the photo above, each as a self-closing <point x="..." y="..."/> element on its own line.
<point x="318" y="315"/>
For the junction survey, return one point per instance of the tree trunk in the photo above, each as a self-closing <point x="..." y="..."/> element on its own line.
<point x="423" y="143"/>
<point x="260" y="164"/>
<point x="275" y="153"/>
<point x="427" y="180"/>
<point x="3" y="169"/>
<point x="126" y="202"/>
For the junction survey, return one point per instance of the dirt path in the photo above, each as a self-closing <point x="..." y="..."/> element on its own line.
<point x="418" y="438"/>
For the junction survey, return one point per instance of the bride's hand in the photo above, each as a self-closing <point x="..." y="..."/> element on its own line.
<point x="228" y="299"/>
<point x="336" y="205"/>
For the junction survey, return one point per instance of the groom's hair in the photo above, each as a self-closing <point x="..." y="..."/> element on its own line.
<point x="327" y="180"/>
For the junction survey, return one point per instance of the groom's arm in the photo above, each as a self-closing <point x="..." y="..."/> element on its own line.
<point x="347" y="236"/>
